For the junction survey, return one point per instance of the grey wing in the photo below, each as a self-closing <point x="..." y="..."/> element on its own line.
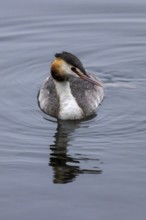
<point x="87" y="95"/>
<point x="48" y="99"/>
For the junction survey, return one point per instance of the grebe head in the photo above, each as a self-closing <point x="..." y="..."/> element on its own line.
<point x="65" y="65"/>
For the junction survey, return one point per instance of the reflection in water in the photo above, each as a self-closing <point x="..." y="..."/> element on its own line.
<point x="65" y="167"/>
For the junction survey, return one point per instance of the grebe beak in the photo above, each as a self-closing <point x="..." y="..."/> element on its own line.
<point x="89" y="79"/>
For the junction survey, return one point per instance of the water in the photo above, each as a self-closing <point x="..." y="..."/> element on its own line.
<point x="93" y="169"/>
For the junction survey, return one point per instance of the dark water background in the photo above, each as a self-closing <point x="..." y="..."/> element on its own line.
<point x="89" y="170"/>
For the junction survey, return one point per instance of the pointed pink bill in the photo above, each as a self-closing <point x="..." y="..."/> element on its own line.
<point x="91" y="80"/>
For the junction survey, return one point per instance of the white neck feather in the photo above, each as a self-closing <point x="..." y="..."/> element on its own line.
<point x="69" y="108"/>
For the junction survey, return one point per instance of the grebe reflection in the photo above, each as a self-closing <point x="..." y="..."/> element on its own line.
<point x="66" y="166"/>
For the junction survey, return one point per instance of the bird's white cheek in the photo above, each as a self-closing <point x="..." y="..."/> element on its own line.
<point x="66" y="69"/>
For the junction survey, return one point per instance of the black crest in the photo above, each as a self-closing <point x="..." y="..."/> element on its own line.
<point x="71" y="59"/>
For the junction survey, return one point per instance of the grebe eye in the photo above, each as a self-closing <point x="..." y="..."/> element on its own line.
<point x="74" y="69"/>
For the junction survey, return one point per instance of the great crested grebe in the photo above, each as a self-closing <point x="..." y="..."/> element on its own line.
<point x="70" y="93"/>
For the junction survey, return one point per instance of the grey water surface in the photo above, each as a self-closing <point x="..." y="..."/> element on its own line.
<point x="93" y="169"/>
